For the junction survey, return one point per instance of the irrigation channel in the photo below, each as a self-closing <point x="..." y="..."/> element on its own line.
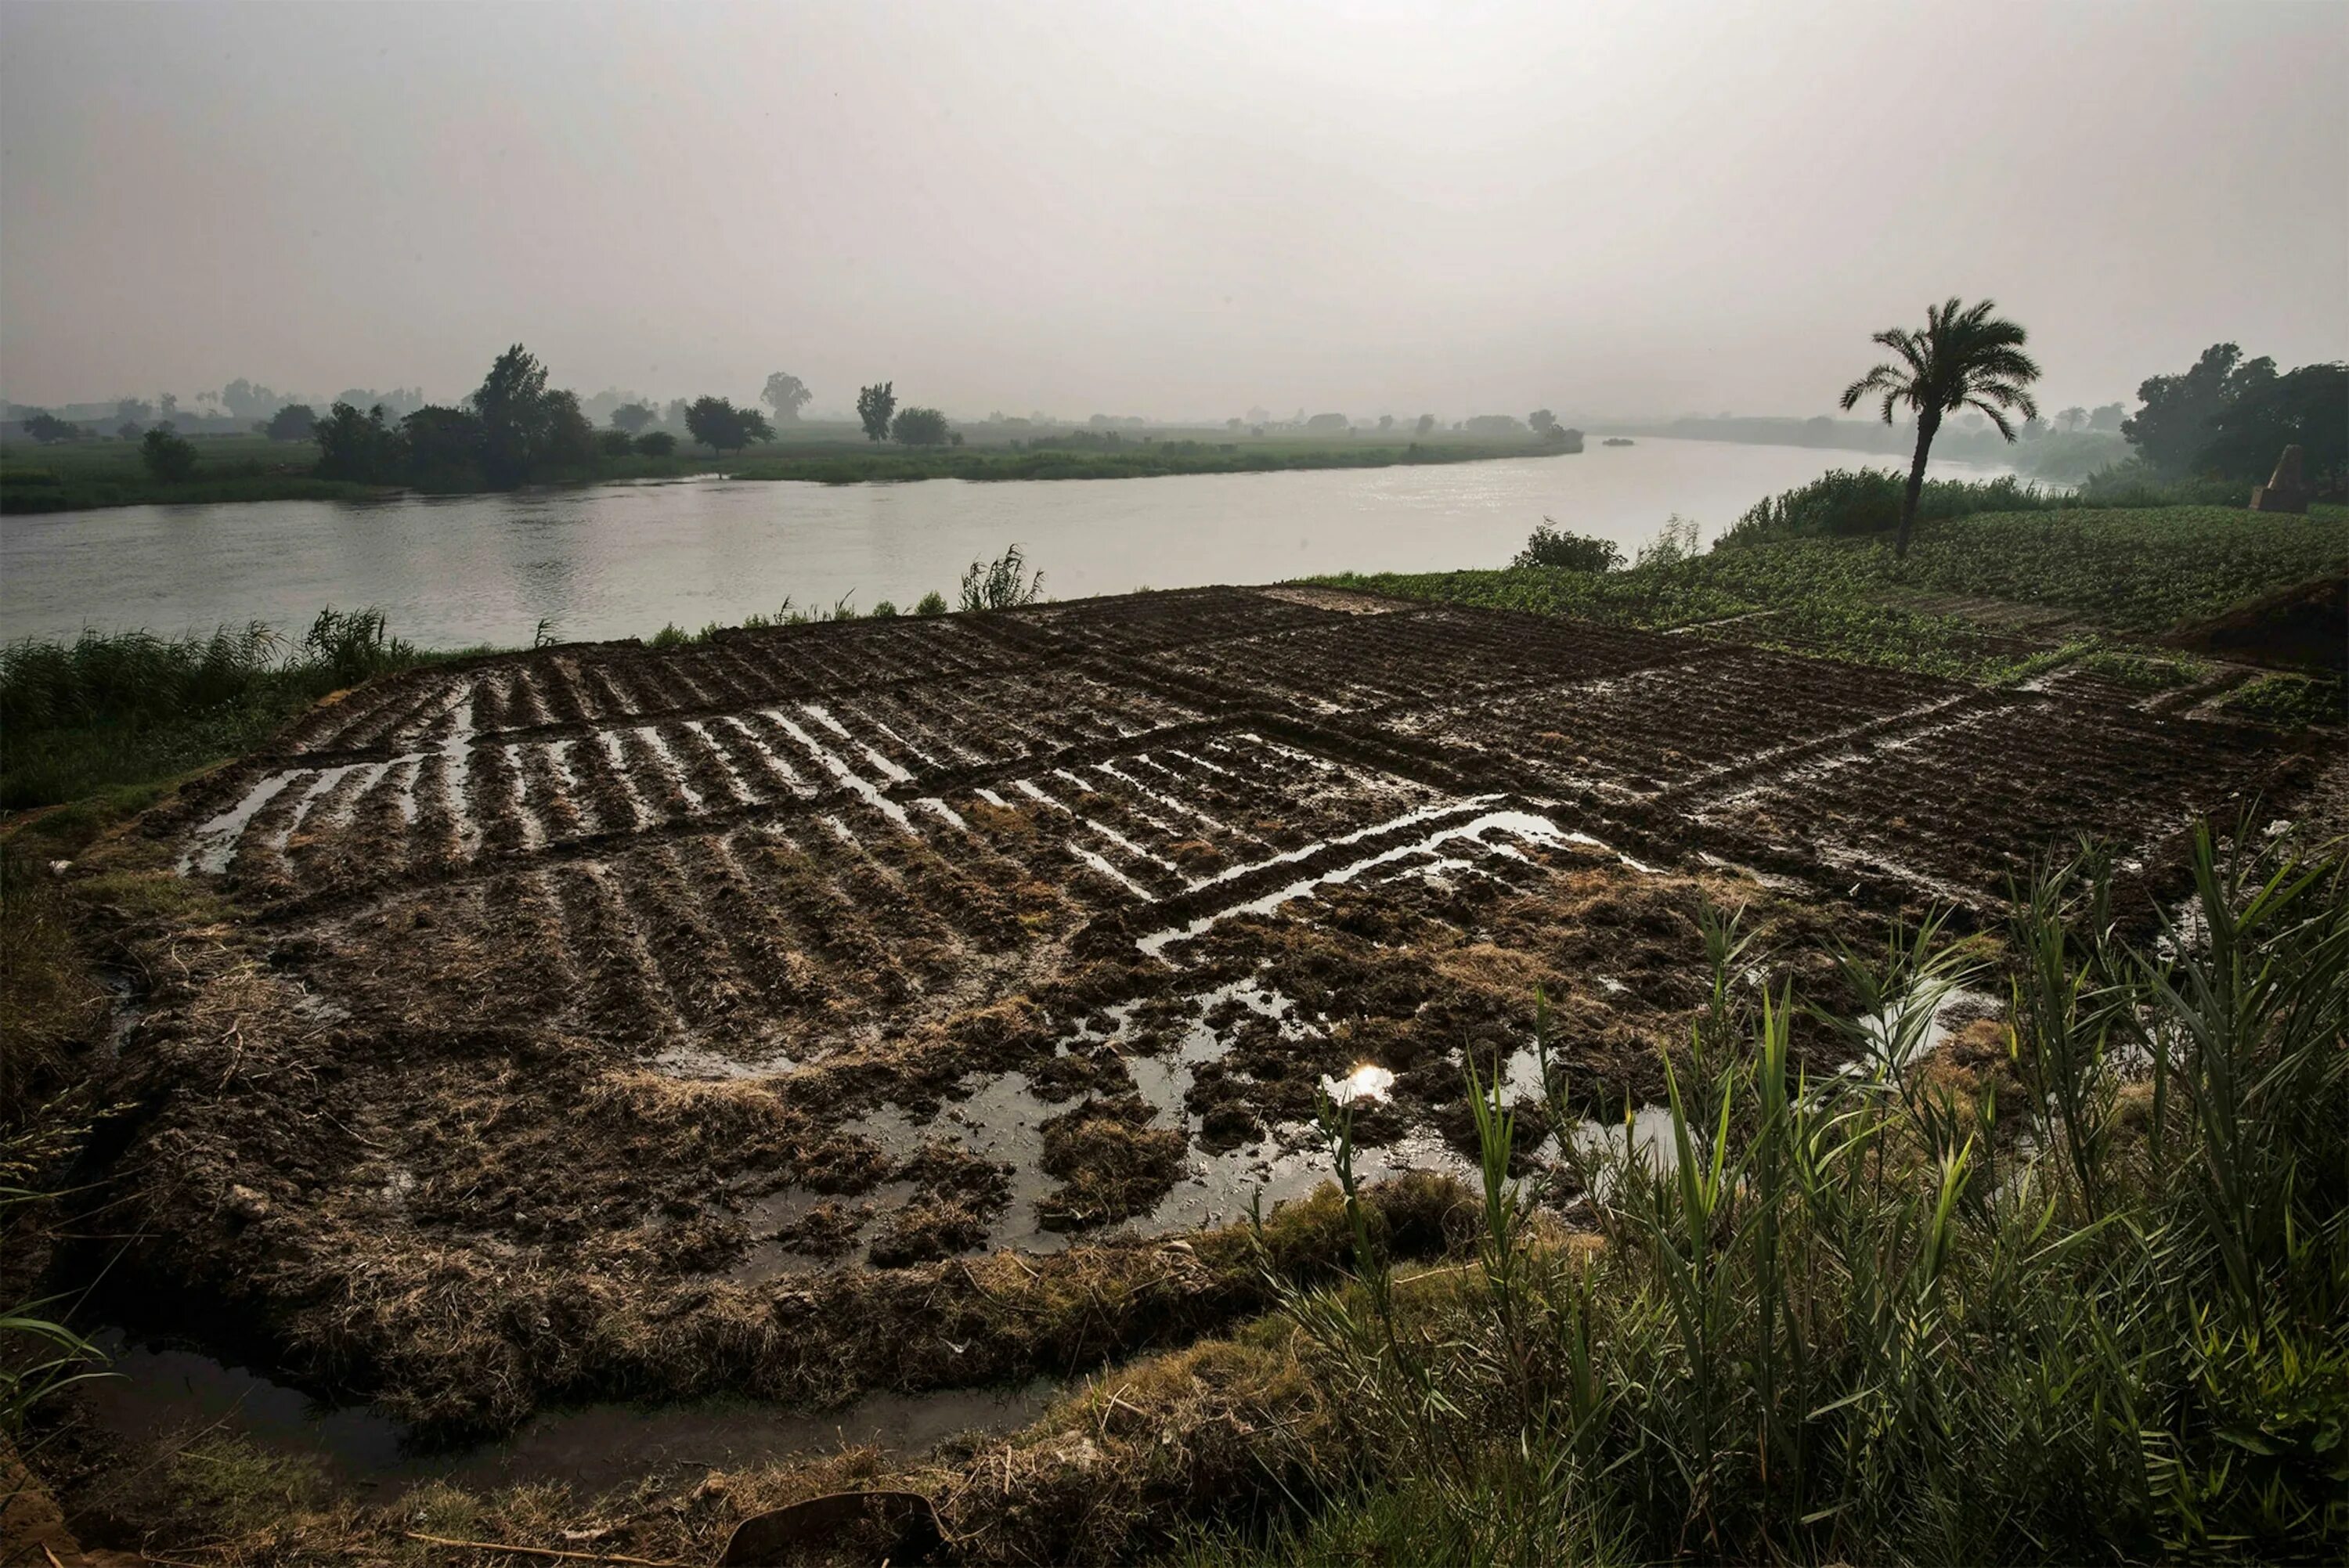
<point x="622" y="561"/>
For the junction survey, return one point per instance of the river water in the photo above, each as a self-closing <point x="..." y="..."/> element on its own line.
<point x="619" y="561"/>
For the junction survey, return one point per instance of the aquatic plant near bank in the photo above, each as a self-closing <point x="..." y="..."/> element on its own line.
<point x="2085" y="1304"/>
<point x="1003" y="583"/>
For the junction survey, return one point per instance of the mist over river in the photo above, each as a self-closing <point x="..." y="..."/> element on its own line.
<point x="620" y="560"/>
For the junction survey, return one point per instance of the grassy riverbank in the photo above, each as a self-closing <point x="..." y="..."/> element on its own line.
<point x="83" y="476"/>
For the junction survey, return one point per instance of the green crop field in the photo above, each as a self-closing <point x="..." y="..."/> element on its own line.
<point x="2137" y="572"/>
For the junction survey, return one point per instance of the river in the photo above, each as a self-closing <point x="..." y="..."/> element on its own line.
<point x="619" y="561"/>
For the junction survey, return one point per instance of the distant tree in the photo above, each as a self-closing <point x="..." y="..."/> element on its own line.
<point x="249" y="401"/>
<point x="786" y="395"/>
<point x="1543" y="423"/>
<point x="656" y="443"/>
<point x="633" y="418"/>
<point x="1493" y="425"/>
<point x="167" y="404"/>
<point x="615" y="443"/>
<point x="2107" y="416"/>
<point x="1232" y="426"/>
<point x="356" y="445"/>
<point x="2071" y="419"/>
<point x="510" y="402"/>
<point x="2033" y="428"/>
<point x="875" y="405"/>
<point x="569" y="442"/>
<point x="1965" y="357"/>
<point x="169" y="458"/>
<point x="721" y="427"/>
<point x="1386" y="423"/>
<point x="48" y="429"/>
<point x="1550" y="545"/>
<point x="919" y="428"/>
<point x="2174" y="426"/>
<point x="293" y="422"/>
<point x="1328" y="424"/>
<point x="673" y="416"/>
<point x="1426" y="423"/>
<point x="2307" y="408"/>
<point x="134" y="410"/>
<point x="128" y="430"/>
<point x="439" y="447"/>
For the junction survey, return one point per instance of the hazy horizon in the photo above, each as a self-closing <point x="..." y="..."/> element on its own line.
<point x="1635" y="211"/>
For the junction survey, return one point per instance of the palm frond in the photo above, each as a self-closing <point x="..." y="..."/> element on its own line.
<point x="1883" y="377"/>
<point x="1997" y="416"/>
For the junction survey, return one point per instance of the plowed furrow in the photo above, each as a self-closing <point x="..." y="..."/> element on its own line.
<point x="654" y="777"/>
<point x="620" y="993"/>
<point x="549" y="792"/>
<point x="799" y="884"/>
<point x="694" y="964"/>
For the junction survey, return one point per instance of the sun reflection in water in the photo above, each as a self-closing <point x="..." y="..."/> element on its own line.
<point x="1367" y="1081"/>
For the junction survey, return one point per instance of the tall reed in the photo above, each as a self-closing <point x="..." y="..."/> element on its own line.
<point x="1874" y="1316"/>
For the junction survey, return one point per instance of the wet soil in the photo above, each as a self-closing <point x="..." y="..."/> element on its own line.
<point x="863" y="1007"/>
<point x="2302" y="627"/>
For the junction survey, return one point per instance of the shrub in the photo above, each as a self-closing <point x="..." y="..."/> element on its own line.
<point x="655" y="444"/>
<point x="919" y="428"/>
<point x="1549" y="545"/>
<point x="169" y="458"/>
<point x="885" y="611"/>
<point x="933" y="604"/>
<point x="615" y="443"/>
<point x="1845" y="501"/>
<point x="2137" y="483"/>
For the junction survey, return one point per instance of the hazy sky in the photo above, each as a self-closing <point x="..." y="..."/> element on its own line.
<point x="1178" y="209"/>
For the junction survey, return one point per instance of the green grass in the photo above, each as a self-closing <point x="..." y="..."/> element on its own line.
<point x="2080" y="1301"/>
<point x="2291" y="701"/>
<point x="847" y="464"/>
<point x="110" y="710"/>
<point x="82" y="475"/>
<point x="2136" y="571"/>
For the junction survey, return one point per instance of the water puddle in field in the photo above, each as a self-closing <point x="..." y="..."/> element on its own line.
<point x="672" y="770"/>
<point x="771" y="759"/>
<point x="160" y="1399"/>
<point x="856" y="782"/>
<point x="213" y="843"/>
<point x="642" y="815"/>
<point x="736" y="785"/>
<point x="1918" y="1024"/>
<point x="1527" y="826"/>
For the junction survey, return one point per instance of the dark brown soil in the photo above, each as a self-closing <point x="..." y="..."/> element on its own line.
<point x="769" y="1015"/>
<point x="2303" y="627"/>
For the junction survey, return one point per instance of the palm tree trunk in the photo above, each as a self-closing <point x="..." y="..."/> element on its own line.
<point x="1927" y="424"/>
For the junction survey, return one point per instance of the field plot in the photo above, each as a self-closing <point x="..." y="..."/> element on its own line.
<point x="563" y="1021"/>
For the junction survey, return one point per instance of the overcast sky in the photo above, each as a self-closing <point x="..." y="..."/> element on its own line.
<point x="1180" y="208"/>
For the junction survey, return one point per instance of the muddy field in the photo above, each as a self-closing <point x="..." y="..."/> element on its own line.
<point x="604" y="1021"/>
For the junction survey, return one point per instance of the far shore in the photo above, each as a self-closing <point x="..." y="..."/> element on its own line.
<point x="89" y="476"/>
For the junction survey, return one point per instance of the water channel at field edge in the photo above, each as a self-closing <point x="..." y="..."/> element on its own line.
<point x="621" y="561"/>
<point x="173" y="1397"/>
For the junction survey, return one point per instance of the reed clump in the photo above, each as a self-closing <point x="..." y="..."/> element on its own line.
<point x="1887" y="1315"/>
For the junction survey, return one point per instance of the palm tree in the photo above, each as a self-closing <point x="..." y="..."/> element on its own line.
<point x="1965" y="357"/>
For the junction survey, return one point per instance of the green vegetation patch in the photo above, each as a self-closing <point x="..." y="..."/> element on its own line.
<point x="2139" y="571"/>
<point x="121" y="708"/>
<point x="2289" y="701"/>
